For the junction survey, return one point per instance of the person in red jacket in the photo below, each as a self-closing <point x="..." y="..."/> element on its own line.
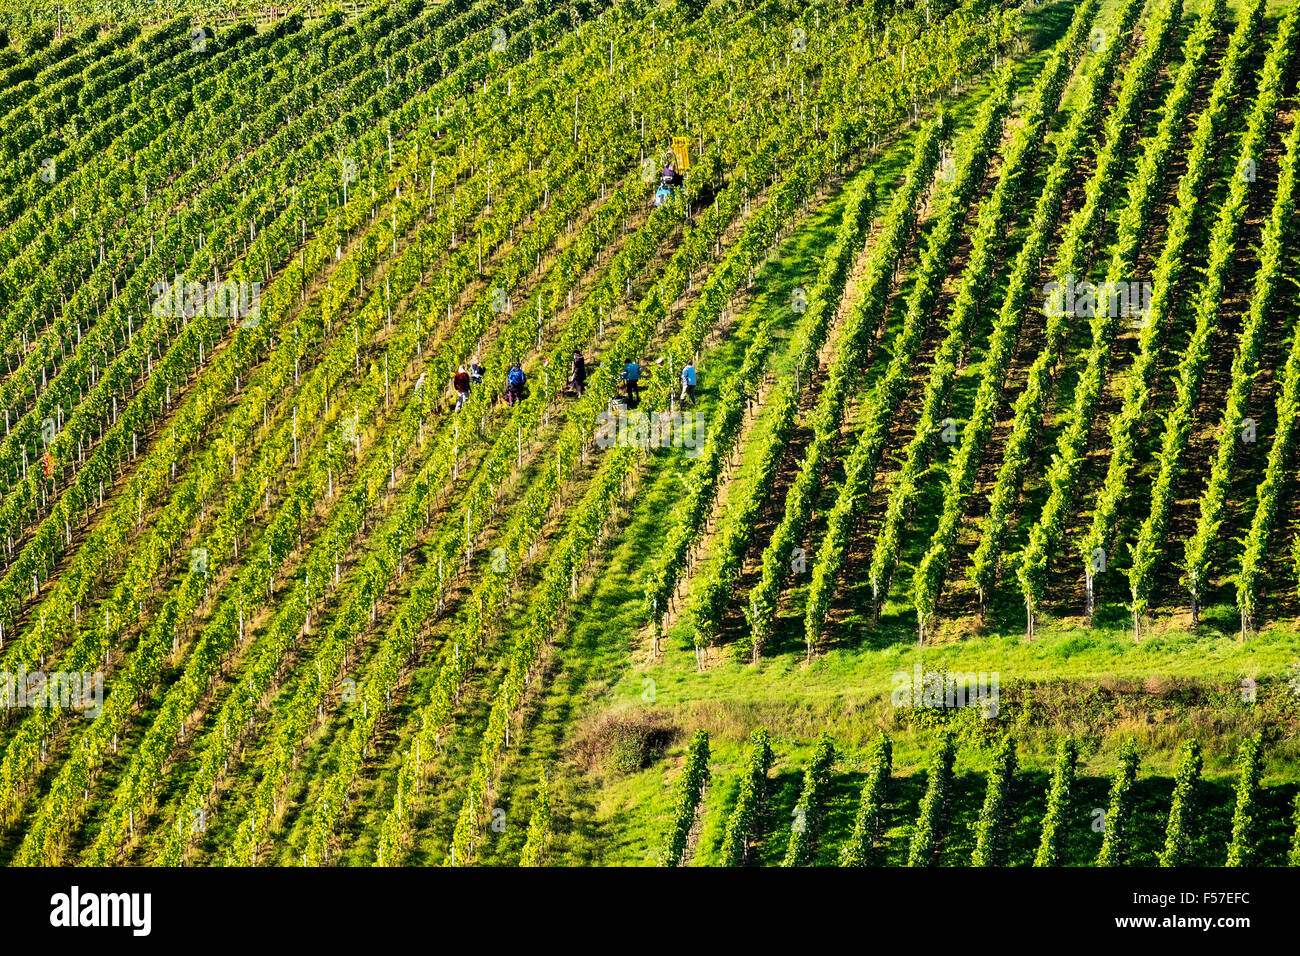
<point x="460" y="381"/>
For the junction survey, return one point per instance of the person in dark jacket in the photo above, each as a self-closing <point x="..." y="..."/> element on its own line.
<point x="460" y="382"/>
<point x="578" y="374"/>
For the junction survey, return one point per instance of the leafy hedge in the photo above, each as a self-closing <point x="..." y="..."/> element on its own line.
<point x="860" y="848"/>
<point x="1178" y="834"/>
<point x="925" y="836"/>
<point x="812" y="802"/>
<point x="1051" y="846"/>
<point x="753" y="788"/>
<point x="539" y="828"/>
<point x="991" y="831"/>
<point x="690" y="788"/>
<point x="1245" y="817"/>
<point x="1117" y="843"/>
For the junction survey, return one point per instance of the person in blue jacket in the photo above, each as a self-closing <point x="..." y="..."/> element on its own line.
<point x="688" y="383"/>
<point x="516" y="384"/>
<point x="632" y="376"/>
